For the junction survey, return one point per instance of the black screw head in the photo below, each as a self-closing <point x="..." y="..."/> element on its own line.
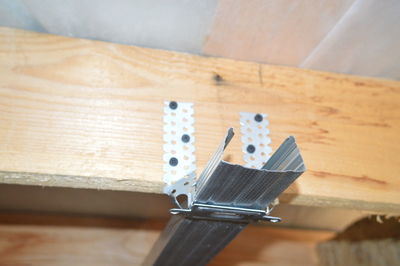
<point x="258" y="118"/>
<point x="185" y="138"/>
<point x="173" y="105"/>
<point x="251" y="148"/>
<point x="173" y="161"/>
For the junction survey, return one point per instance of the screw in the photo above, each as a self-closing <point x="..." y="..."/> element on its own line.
<point x="258" y="118"/>
<point x="251" y="148"/>
<point x="185" y="138"/>
<point x="173" y="105"/>
<point x="173" y="161"/>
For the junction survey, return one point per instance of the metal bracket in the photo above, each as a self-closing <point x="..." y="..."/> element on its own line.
<point x="179" y="150"/>
<point x="184" y="186"/>
<point x="237" y="203"/>
<point x="198" y="209"/>
<point x="221" y="203"/>
<point x="225" y="213"/>
<point x="255" y="139"/>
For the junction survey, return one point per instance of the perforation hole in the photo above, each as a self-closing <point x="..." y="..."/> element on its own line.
<point x="183" y="200"/>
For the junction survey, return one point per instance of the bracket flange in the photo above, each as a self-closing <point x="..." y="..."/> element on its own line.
<point x="255" y="139"/>
<point x="179" y="150"/>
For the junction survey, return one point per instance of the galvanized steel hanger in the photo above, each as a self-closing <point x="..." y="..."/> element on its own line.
<point x="221" y="202"/>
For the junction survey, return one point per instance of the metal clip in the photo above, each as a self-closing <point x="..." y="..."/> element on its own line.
<point x="184" y="186"/>
<point x="225" y="213"/>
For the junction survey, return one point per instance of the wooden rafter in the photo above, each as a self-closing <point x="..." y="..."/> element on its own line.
<point x="81" y="113"/>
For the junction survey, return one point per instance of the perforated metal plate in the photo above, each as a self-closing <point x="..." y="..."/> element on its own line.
<point x="255" y="139"/>
<point x="179" y="151"/>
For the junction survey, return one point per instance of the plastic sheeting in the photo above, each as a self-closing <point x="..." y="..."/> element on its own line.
<point x="179" y="25"/>
<point x="359" y="37"/>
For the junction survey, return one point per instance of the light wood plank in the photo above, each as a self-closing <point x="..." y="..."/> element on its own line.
<point x="22" y="198"/>
<point x="385" y="252"/>
<point x="88" y="114"/>
<point x="97" y="241"/>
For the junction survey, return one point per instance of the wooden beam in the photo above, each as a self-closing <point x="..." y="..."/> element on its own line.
<point x="88" y="114"/>
<point x="109" y="203"/>
<point x="63" y="240"/>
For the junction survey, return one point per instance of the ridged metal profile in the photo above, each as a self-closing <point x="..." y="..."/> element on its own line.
<point x="191" y="241"/>
<point x="194" y="240"/>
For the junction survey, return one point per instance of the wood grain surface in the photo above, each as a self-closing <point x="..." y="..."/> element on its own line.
<point x="63" y="240"/>
<point x="74" y="201"/>
<point x="88" y="114"/>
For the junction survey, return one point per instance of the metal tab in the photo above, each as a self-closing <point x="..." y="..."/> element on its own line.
<point x="184" y="186"/>
<point x="255" y="139"/>
<point x="179" y="150"/>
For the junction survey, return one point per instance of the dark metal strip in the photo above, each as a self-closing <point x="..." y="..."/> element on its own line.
<point x="191" y="241"/>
